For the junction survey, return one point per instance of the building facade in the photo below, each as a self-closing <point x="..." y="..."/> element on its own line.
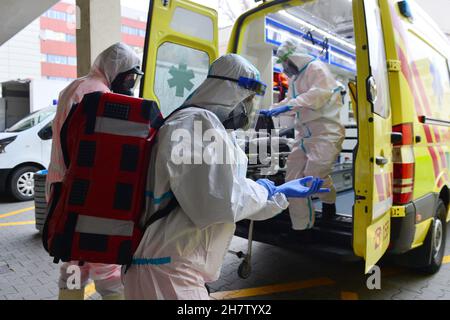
<point x="46" y="49"/>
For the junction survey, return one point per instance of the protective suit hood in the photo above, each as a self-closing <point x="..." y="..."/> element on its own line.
<point x="222" y="96"/>
<point x="113" y="61"/>
<point x="302" y="60"/>
<point x="296" y="53"/>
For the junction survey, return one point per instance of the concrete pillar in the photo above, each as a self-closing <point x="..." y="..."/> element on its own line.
<point x="99" y="27"/>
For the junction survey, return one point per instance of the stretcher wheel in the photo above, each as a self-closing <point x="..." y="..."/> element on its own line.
<point x="245" y="270"/>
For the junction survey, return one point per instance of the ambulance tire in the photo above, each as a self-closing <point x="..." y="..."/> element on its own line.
<point x="434" y="244"/>
<point x="428" y="258"/>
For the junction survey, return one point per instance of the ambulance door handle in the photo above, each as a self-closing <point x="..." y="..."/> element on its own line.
<point x="381" y="161"/>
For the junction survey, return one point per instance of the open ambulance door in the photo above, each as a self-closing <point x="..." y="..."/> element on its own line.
<point x="237" y="39"/>
<point x="373" y="162"/>
<point x="181" y="43"/>
<point x="248" y="39"/>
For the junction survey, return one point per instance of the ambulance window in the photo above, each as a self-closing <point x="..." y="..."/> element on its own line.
<point x="430" y="70"/>
<point x="377" y="53"/>
<point x="192" y="24"/>
<point x="179" y="71"/>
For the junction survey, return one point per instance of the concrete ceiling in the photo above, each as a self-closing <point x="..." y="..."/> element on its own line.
<point x="15" y="15"/>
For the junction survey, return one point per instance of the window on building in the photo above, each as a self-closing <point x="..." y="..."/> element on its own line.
<point x="57" y="36"/>
<point x="52" y="35"/>
<point x="59" y="15"/>
<point x="70" y="38"/>
<point x="59" y="79"/>
<point x="71" y="18"/>
<point x="133" y="31"/>
<point x="72" y="61"/>
<point x="57" y="59"/>
<point x="52" y="58"/>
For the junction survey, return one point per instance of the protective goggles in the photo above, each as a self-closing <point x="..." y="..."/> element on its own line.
<point x="250" y="84"/>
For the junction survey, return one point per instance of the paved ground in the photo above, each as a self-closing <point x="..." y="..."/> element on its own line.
<point x="26" y="271"/>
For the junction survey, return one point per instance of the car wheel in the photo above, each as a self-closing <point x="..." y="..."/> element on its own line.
<point x="21" y="183"/>
<point x="428" y="257"/>
<point x="435" y="241"/>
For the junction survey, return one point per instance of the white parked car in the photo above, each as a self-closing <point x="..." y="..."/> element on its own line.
<point x="25" y="149"/>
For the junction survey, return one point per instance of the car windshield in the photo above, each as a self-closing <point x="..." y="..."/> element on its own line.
<point x="32" y="120"/>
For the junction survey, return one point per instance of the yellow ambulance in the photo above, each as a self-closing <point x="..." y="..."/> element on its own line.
<point x="395" y="197"/>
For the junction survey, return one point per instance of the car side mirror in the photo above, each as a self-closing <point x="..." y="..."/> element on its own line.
<point x="46" y="133"/>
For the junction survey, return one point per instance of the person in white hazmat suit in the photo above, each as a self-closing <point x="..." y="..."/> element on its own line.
<point x="117" y="69"/>
<point x="185" y="249"/>
<point x="315" y="98"/>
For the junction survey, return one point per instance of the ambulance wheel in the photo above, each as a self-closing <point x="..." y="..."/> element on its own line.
<point x="428" y="257"/>
<point x="434" y="244"/>
<point x="21" y="183"/>
<point x="245" y="270"/>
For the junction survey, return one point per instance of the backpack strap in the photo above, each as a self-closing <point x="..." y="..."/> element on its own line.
<point x="55" y="194"/>
<point x="180" y="109"/>
<point x="173" y="203"/>
<point x="64" y="133"/>
<point x="162" y="213"/>
<point x="90" y="103"/>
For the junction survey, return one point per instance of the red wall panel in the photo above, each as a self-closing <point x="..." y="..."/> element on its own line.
<point x="64" y="7"/>
<point x="58" y="48"/>
<point x="58" y="70"/>
<point x="134" y="23"/>
<point x="57" y="25"/>
<point x="134" y="41"/>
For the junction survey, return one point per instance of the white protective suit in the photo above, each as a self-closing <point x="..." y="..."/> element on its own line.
<point x="181" y="252"/>
<point x="110" y="63"/>
<point x="315" y="97"/>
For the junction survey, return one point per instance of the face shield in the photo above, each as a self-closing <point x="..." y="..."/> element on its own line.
<point x="289" y="68"/>
<point x="245" y="114"/>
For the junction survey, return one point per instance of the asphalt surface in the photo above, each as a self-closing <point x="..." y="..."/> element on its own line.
<point x="27" y="272"/>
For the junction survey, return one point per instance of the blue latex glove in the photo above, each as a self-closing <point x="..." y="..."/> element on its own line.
<point x="269" y="185"/>
<point x="299" y="188"/>
<point x="275" y="112"/>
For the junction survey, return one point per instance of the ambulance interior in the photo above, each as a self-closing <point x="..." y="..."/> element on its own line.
<point x="326" y="29"/>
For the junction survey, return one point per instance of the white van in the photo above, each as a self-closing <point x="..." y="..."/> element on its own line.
<point x="25" y="148"/>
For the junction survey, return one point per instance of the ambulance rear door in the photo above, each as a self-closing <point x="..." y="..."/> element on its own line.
<point x="373" y="162"/>
<point x="181" y="43"/>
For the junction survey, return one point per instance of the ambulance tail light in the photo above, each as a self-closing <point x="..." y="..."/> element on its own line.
<point x="404" y="165"/>
<point x="403" y="183"/>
